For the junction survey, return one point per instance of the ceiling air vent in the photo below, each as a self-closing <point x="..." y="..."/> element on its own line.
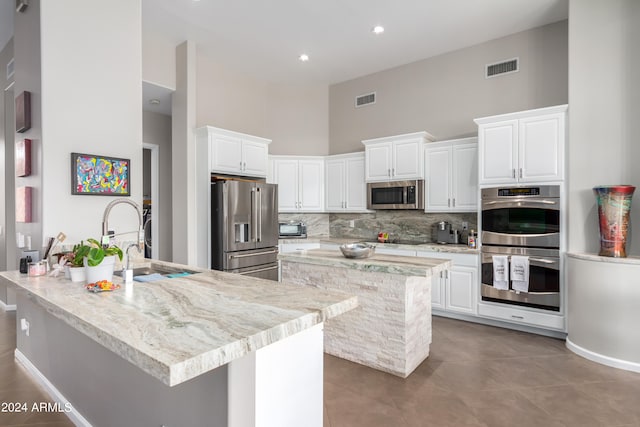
<point x="366" y="99"/>
<point x="503" y="67"/>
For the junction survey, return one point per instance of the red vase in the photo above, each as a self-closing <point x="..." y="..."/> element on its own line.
<point x="614" y="206"/>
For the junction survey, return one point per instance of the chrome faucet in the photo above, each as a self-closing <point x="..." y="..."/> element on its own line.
<point x="105" y="221"/>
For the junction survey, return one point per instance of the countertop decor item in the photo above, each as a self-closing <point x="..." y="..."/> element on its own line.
<point x="357" y="250"/>
<point x="100" y="175"/>
<point x="614" y="205"/>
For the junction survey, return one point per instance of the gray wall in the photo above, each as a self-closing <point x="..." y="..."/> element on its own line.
<point x="443" y="94"/>
<point x="604" y="111"/>
<point x="156" y="129"/>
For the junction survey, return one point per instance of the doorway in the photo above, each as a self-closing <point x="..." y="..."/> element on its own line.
<point x="151" y="196"/>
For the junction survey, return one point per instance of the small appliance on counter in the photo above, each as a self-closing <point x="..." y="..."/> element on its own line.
<point x="292" y="230"/>
<point x="446" y="234"/>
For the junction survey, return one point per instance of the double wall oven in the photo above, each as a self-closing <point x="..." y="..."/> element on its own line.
<point x="522" y="221"/>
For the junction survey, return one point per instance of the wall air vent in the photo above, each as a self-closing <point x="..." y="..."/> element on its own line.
<point x="10" y="68"/>
<point x="366" y="99"/>
<point x="503" y="67"/>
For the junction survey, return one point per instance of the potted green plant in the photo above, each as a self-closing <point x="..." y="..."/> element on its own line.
<point x="74" y="263"/>
<point x="98" y="260"/>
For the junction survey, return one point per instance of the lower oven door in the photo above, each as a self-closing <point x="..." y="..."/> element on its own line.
<point x="544" y="278"/>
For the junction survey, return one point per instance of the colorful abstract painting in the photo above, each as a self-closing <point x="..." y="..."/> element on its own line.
<point x="99" y="175"/>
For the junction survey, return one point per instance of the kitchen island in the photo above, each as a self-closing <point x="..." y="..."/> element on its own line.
<point x="210" y="348"/>
<point x="391" y="328"/>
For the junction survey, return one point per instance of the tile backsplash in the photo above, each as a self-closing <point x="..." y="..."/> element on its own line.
<point x="403" y="225"/>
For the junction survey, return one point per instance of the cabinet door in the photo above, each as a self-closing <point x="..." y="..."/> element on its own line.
<point x="541" y="144"/>
<point x="460" y="290"/>
<point x="437" y="291"/>
<point x="378" y="161"/>
<point x="438" y="173"/>
<point x="285" y="174"/>
<point x="254" y="158"/>
<point x="464" y="177"/>
<point x="497" y="145"/>
<point x="407" y="159"/>
<point x="335" y="188"/>
<point x="355" y="187"/>
<point x="311" y="185"/>
<point x="226" y="154"/>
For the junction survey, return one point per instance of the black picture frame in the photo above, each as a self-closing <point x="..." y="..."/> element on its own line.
<point x="97" y="175"/>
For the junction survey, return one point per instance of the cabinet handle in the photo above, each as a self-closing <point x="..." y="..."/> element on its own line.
<point x="245" y="166"/>
<point x="240" y="165"/>
<point x="389" y="172"/>
<point x="454" y="202"/>
<point x="393" y="172"/>
<point x="517" y="317"/>
<point x="448" y="203"/>
<point x="520" y="172"/>
<point x="513" y="173"/>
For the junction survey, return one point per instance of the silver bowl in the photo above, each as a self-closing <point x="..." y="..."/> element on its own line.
<point x="357" y="250"/>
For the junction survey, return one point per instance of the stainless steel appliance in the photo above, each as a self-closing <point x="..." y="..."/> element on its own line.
<point x="446" y="234"/>
<point x="292" y="230"/>
<point x="523" y="221"/>
<point x="396" y="195"/>
<point x="244" y="224"/>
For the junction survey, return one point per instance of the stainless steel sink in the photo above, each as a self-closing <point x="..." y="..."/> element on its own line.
<point x="155" y="269"/>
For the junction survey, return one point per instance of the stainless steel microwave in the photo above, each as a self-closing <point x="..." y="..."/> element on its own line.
<point x="396" y="195"/>
<point x="292" y="230"/>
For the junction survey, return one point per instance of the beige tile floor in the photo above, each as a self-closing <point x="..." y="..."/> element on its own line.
<point x="475" y="376"/>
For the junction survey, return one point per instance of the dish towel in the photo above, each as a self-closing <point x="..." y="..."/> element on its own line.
<point x="172" y="275"/>
<point x="148" y="277"/>
<point x="520" y="273"/>
<point x="500" y="272"/>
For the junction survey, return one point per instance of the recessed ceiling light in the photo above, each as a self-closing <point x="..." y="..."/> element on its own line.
<point x="154" y="101"/>
<point x="378" y="29"/>
<point x="304" y="57"/>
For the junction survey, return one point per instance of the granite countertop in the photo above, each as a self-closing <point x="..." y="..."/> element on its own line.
<point x="179" y="328"/>
<point x="633" y="260"/>
<point x="379" y="263"/>
<point x="425" y="247"/>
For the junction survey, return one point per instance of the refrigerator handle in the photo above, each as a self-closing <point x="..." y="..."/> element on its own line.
<point x="259" y="214"/>
<point x="254" y="216"/>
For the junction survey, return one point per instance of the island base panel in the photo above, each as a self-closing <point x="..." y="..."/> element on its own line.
<point x="390" y="330"/>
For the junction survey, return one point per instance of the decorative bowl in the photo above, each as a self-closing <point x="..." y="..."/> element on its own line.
<point x="357" y="250"/>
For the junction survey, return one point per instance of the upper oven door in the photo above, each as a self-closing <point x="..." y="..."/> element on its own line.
<point x="396" y="195"/>
<point x="521" y="221"/>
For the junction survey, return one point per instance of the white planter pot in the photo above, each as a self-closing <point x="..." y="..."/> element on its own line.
<point x="103" y="271"/>
<point x="77" y="274"/>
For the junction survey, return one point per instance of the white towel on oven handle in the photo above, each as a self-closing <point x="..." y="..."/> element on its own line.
<point x="520" y="273"/>
<point x="500" y="271"/>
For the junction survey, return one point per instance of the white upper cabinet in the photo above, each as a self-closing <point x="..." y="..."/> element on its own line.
<point x="395" y="158"/>
<point x="300" y="182"/>
<point x="235" y="153"/>
<point x="451" y="176"/>
<point x="523" y="147"/>
<point x="345" y="187"/>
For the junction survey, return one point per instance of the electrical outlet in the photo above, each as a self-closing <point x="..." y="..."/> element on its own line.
<point x="24" y="325"/>
<point x="352" y="223"/>
<point x="465" y="225"/>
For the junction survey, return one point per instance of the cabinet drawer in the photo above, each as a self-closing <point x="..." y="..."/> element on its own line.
<point x="525" y="317"/>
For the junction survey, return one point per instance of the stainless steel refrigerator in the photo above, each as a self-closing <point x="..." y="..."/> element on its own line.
<point x="244" y="226"/>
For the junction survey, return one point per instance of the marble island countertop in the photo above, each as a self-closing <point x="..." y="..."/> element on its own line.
<point x="380" y="263"/>
<point x="178" y="328"/>
<point x="419" y="247"/>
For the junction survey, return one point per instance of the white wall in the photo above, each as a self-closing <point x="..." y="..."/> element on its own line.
<point x="91" y="95"/>
<point x="7" y="176"/>
<point x="158" y="60"/>
<point x="443" y="94"/>
<point x="604" y="112"/>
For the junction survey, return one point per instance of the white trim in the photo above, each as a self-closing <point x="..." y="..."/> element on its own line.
<point x="7" y="307"/>
<point x="602" y="359"/>
<point x="155" y="195"/>
<point x="51" y="390"/>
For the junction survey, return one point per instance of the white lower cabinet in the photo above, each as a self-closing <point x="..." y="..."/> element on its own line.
<point x="521" y="316"/>
<point x="297" y="247"/>
<point x="455" y="290"/>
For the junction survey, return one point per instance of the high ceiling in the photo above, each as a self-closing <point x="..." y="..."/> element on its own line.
<point x="265" y="38"/>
